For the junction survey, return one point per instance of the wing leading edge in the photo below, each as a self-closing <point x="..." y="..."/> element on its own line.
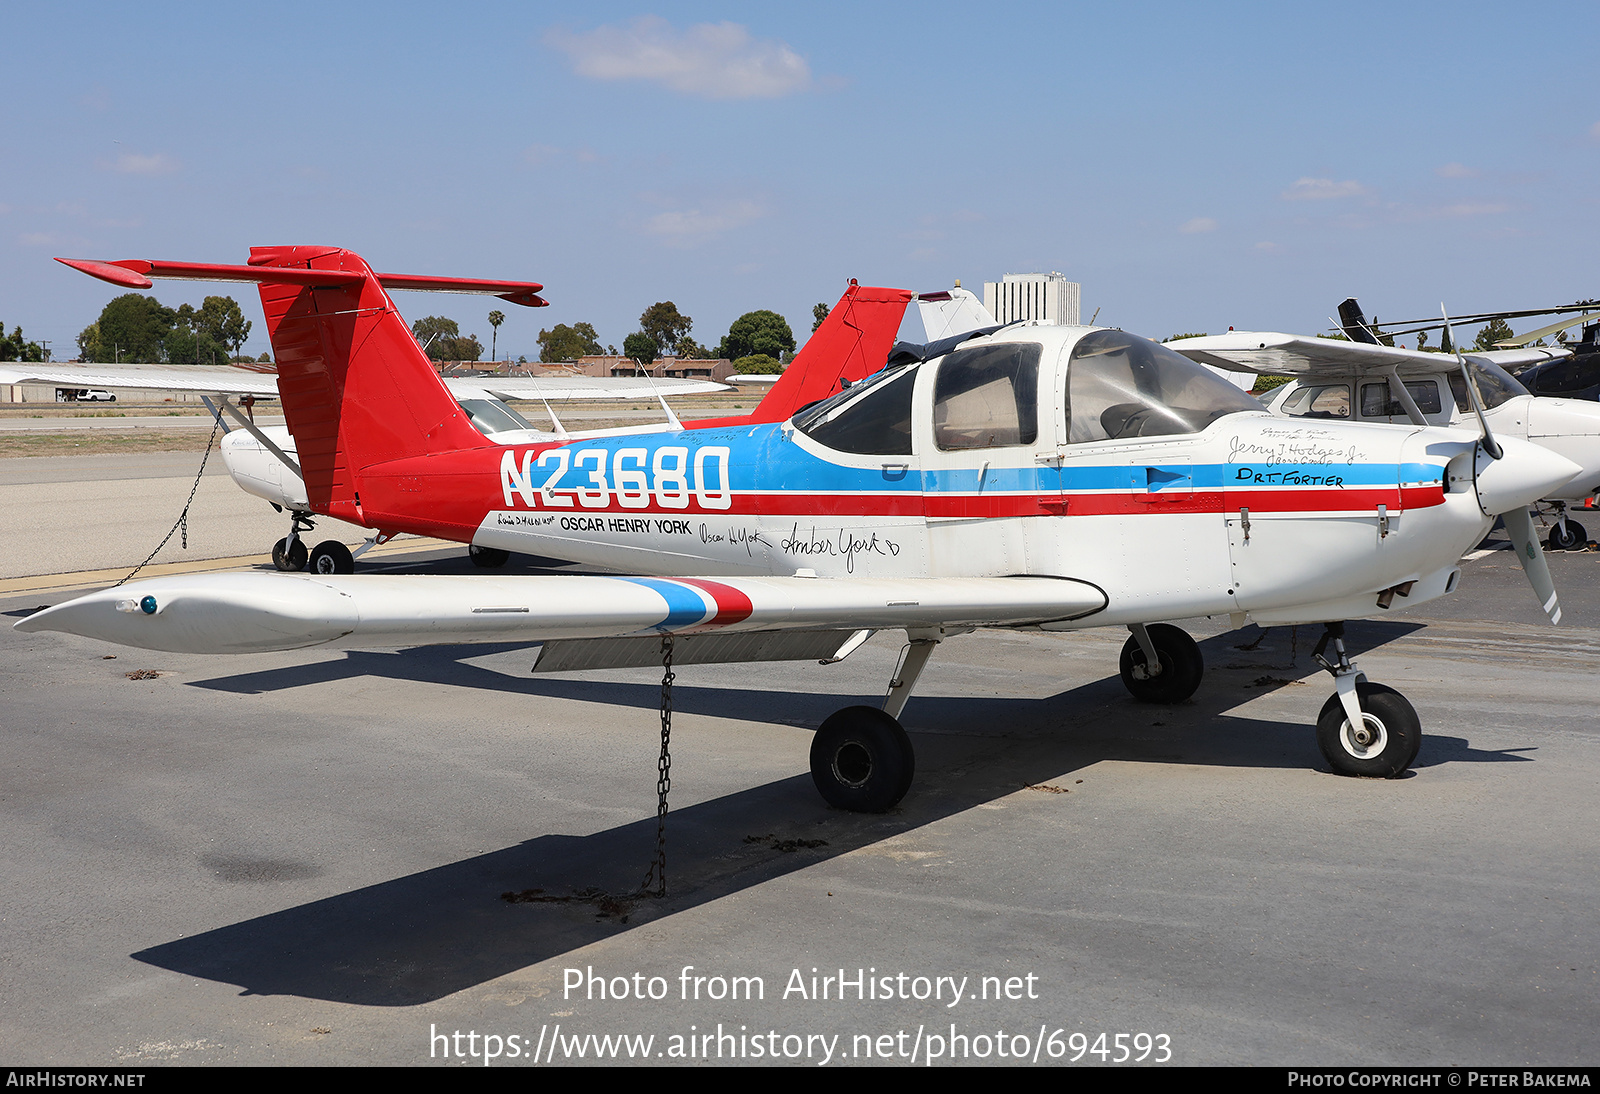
<point x="1297" y="355"/>
<point x="259" y="612"/>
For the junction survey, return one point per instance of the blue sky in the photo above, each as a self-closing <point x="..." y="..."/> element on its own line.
<point x="1193" y="166"/>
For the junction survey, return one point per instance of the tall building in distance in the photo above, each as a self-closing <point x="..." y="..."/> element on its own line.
<point x="1048" y="297"/>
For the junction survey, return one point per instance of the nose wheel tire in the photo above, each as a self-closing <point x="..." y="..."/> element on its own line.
<point x="1182" y="666"/>
<point x="1567" y="535"/>
<point x="488" y="558"/>
<point x="289" y="559"/>
<point x="1383" y="747"/>
<point x="332" y="557"/>
<point x="862" y="760"/>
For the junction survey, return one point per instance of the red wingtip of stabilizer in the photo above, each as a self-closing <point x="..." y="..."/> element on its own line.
<point x="107" y="271"/>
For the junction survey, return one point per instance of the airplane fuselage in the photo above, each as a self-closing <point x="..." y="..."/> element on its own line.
<point x="1247" y="514"/>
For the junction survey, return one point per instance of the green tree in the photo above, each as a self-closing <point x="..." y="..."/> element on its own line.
<point x="462" y="349"/>
<point x="18" y="348"/>
<point x="690" y="350"/>
<point x="664" y="324"/>
<point x="764" y="332"/>
<point x="819" y="312"/>
<point x="220" y="319"/>
<point x="432" y="332"/>
<point x="190" y="343"/>
<point x="757" y="364"/>
<point x="564" y="343"/>
<point x="495" y="319"/>
<point x="134" y="327"/>
<point x="89" y="343"/>
<point x="1495" y="330"/>
<point x="640" y="348"/>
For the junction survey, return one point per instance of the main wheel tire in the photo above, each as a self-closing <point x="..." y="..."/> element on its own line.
<point x="862" y="760"/>
<point x="1386" y="746"/>
<point x="1182" y="666"/>
<point x="1573" y="538"/>
<point x="332" y="557"/>
<point x="289" y="559"/>
<point x="488" y="558"/>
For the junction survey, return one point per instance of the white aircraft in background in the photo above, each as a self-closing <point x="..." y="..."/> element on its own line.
<point x="1363" y="381"/>
<point x="1045" y="477"/>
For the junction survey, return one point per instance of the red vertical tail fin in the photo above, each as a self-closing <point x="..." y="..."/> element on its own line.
<point x="850" y="345"/>
<point x="356" y="388"/>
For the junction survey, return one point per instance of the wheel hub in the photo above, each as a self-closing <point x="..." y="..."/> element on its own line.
<point x="852" y="764"/>
<point x="1364" y="741"/>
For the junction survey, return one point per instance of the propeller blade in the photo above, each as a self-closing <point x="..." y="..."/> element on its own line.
<point x="1489" y="444"/>
<point x="1525" y="541"/>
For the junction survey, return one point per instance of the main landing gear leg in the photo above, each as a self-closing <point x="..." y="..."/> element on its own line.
<point x="1160" y="663"/>
<point x="861" y="757"/>
<point x="1364" y="729"/>
<point x="289" y="554"/>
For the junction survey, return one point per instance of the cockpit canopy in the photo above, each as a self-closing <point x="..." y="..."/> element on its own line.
<point x="1120" y="386"/>
<point x="987" y="396"/>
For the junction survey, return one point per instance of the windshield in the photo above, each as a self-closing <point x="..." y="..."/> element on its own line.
<point x="1495" y="385"/>
<point x="1121" y="386"/>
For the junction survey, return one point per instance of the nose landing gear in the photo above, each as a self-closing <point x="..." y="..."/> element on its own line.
<point x="1364" y="729"/>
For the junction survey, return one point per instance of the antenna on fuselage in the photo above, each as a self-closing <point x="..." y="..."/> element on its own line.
<point x="561" y="432"/>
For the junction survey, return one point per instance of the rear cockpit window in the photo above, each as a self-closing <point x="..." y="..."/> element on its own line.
<point x="491" y="416"/>
<point x="1319" y="401"/>
<point x="987" y="397"/>
<point x="1120" y="386"/>
<point x="872" y="418"/>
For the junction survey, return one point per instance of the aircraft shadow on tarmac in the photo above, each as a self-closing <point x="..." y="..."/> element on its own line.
<point x="427" y="935"/>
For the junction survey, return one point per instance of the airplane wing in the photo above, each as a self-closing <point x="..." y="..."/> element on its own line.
<point x="258" y="612"/>
<point x="201" y="379"/>
<point x="228" y="380"/>
<point x="1297" y="355"/>
<point x="554" y="387"/>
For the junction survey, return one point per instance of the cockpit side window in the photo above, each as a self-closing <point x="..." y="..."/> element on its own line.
<point x="987" y="397"/>
<point x="1121" y="386"/>
<point x="1377" y="403"/>
<point x="875" y="421"/>
<point x="1318" y="401"/>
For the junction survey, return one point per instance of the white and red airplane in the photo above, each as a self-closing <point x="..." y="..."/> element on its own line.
<point x="1035" y="476"/>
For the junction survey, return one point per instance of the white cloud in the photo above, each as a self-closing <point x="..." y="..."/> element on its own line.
<point x="1266" y="246"/>
<point x="1457" y="171"/>
<point x="136" y="163"/>
<point x="708" y="60"/>
<point x="1197" y="225"/>
<point x="1594" y="131"/>
<point x="38" y="239"/>
<point x="1310" y="189"/>
<point x="687" y="227"/>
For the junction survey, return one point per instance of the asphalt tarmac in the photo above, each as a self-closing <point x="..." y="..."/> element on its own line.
<point x="300" y="858"/>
